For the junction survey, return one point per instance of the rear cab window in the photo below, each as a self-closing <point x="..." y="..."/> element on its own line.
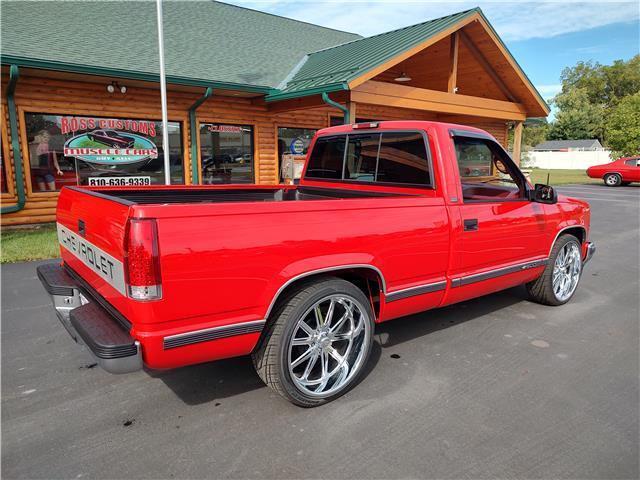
<point x="380" y="158"/>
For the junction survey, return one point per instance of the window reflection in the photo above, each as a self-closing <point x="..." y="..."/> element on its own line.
<point x="227" y="153"/>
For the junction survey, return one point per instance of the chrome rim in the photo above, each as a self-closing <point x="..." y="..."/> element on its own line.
<point x="328" y="345"/>
<point x="612" y="179"/>
<point x="566" y="271"/>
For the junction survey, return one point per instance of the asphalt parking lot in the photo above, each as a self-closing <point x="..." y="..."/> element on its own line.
<point x="495" y="387"/>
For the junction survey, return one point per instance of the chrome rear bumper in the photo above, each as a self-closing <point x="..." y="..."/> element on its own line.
<point x="89" y="324"/>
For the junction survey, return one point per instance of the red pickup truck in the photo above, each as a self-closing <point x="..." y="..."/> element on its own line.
<point x="382" y="224"/>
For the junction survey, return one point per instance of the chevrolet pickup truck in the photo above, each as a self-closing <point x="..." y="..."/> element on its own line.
<point x="386" y="221"/>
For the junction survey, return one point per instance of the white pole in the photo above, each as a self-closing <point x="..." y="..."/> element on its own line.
<point x="163" y="97"/>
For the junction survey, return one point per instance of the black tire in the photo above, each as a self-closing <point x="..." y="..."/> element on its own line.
<point x="541" y="289"/>
<point x="624" y="184"/>
<point x="270" y="357"/>
<point x="612" y="180"/>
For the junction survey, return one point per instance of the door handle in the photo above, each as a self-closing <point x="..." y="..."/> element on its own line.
<point x="470" y="224"/>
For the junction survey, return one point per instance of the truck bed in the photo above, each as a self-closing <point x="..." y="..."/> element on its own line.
<point x="156" y="195"/>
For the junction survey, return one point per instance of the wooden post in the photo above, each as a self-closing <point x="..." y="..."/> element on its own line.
<point x="352" y="112"/>
<point x="517" y="142"/>
<point x="453" y="63"/>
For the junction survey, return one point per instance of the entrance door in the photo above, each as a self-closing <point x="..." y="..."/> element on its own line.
<point x="502" y="237"/>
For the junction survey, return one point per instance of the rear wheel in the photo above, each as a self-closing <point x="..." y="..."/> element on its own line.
<point x="317" y="342"/>
<point x="612" y="180"/>
<point x="560" y="278"/>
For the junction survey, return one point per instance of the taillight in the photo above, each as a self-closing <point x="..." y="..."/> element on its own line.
<point x="142" y="260"/>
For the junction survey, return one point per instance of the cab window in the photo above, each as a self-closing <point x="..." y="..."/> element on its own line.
<point x="486" y="171"/>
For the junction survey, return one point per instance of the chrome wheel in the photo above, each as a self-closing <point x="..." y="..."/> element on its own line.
<point x="566" y="271"/>
<point x="612" y="180"/>
<point x="328" y="345"/>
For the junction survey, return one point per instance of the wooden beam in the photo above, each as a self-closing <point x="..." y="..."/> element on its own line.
<point x="368" y="75"/>
<point x="517" y="142"/>
<point x="352" y="111"/>
<point x="387" y="94"/>
<point x="486" y="66"/>
<point x="513" y="64"/>
<point x="453" y="63"/>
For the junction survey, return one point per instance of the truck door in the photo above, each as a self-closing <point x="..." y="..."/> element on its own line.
<point x="503" y="235"/>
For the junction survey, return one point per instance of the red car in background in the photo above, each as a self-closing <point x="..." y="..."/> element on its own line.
<point x="620" y="172"/>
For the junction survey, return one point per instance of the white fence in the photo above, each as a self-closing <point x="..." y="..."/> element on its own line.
<point x="566" y="160"/>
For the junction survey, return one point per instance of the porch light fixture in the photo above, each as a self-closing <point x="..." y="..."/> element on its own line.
<point x="113" y="86"/>
<point x="403" y="78"/>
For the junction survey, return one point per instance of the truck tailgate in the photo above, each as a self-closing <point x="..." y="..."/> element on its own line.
<point x="91" y="229"/>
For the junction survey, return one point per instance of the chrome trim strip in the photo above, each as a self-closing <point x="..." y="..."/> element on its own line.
<point x="323" y="270"/>
<point x="479" y="277"/>
<point x="417" y="290"/>
<point x="214" y="333"/>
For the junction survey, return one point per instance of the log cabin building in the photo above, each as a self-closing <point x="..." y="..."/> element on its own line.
<point x="246" y="92"/>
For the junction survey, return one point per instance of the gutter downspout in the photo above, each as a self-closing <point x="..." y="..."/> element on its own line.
<point x="328" y="101"/>
<point x="194" y="139"/>
<point x="15" y="141"/>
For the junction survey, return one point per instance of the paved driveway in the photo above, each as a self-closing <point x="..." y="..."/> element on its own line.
<point x="495" y="387"/>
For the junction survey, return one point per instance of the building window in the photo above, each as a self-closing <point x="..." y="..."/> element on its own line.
<point x="3" y="173"/>
<point x="293" y="145"/>
<point x="67" y="150"/>
<point x="227" y="153"/>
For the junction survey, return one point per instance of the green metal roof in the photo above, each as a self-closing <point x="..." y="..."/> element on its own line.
<point x="206" y="42"/>
<point x="340" y="64"/>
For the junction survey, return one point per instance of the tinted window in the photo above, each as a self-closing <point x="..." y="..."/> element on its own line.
<point x="326" y="158"/>
<point x="403" y="159"/>
<point x="362" y="153"/>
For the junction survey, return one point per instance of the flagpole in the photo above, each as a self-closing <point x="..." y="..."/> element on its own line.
<point x="163" y="97"/>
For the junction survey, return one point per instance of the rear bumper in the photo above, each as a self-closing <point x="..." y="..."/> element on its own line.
<point x="590" y="250"/>
<point x="90" y="324"/>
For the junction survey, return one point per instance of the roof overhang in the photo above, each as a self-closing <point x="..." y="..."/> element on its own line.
<point x="143" y="76"/>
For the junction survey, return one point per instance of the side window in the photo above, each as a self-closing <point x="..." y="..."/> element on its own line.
<point x="486" y="172"/>
<point x="634" y="162"/>
<point x="362" y="154"/>
<point x="386" y="157"/>
<point x="403" y="159"/>
<point x="327" y="158"/>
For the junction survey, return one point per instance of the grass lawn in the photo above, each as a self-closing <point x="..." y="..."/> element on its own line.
<point x="561" y="177"/>
<point x="23" y="244"/>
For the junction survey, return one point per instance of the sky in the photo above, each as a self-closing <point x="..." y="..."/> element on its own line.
<point x="543" y="36"/>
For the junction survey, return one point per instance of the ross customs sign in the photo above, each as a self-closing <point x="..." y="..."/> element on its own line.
<point x="109" y="141"/>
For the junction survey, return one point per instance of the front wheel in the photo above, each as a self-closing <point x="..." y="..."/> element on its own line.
<point x="317" y="342"/>
<point x="560" y="278"/>
<point x="612" y="180"/>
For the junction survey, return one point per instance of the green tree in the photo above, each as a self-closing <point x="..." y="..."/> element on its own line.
<point x="605" y="85"/>
<point x="623" y="127"/>
<point x="577" y="118"/>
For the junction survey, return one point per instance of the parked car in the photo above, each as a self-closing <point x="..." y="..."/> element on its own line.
<point x="111" y="138"/>
<point x="298" y="275"/>
<point x="623" y="171"/>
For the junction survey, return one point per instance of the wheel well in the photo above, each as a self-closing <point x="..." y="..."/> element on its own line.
<point x="611" y="173"/>
<point x="366" y="279"/>
<point x="577" y="232"/>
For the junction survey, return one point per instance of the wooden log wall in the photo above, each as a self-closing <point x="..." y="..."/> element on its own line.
<point x="72" y="96"/>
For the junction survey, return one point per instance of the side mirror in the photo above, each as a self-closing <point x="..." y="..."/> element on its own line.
<point x="544" y="194"/>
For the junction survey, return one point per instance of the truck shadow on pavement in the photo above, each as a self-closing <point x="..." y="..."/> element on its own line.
<point x="208" y="382"/>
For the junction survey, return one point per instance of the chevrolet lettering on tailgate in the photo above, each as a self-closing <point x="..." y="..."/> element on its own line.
<point x="108" y="267"/>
